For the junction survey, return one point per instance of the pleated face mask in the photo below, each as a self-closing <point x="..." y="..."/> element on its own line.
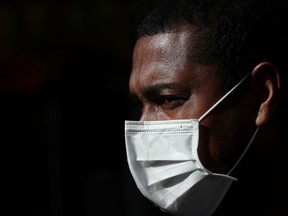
<point x="164" y="162"/>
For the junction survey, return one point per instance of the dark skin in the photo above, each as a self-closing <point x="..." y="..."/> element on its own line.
<point x="170" y="86"/>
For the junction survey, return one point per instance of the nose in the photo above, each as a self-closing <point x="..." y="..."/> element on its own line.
<point x="150" y="113"/>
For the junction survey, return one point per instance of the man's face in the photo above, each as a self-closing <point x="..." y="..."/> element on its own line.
<point x="170" y="86"/>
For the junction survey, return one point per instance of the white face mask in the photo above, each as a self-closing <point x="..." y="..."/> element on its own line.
<point x="164" y="162"/>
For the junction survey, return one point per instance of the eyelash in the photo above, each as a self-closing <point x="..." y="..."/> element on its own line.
<point x="171" y="100"/>
<point x="168" y="101"/>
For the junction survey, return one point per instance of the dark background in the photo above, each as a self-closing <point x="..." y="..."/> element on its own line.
<point x="64" y="70"/>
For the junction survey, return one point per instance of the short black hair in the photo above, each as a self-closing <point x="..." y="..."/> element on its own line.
<point x="235" y="35"/>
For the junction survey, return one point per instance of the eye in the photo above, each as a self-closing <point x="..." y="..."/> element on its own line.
<point x="171" y="100"/>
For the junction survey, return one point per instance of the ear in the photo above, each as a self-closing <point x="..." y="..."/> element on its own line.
<point x="266" y="81"/>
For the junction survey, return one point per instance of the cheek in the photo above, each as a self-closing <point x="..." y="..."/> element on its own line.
<point x="154" y="113"/>
<point x="217" y="142"/>
<point x="191" y="109"/>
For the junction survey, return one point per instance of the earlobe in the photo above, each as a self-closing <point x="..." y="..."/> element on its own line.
<point x="267" y="88"/>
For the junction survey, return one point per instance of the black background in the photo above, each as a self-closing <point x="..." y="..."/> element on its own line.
<point x="64" y="76"/>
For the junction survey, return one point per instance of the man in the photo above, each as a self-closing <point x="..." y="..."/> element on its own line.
<point x="211" y="79"/>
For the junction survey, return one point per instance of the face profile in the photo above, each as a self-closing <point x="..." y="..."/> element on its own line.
<point x="210" y="91"/>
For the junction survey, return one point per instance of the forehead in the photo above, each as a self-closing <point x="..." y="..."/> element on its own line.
<point x="159" y="57"/>
<point x="163" y="58"/>
<point x="167" y="49"/>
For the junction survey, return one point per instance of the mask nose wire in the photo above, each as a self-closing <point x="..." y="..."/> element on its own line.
<point x="223" y="97"/>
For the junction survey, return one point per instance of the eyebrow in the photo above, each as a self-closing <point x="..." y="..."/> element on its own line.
<point x="156" y="88"/>
<point x="151" y="90"/>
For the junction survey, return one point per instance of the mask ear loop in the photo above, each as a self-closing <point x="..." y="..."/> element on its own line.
<point x="221" y="99"/>
<point x="244" y="152"/>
